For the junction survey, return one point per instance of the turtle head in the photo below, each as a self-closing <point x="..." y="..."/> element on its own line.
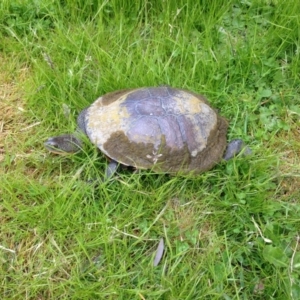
<point x="63" y="144"/>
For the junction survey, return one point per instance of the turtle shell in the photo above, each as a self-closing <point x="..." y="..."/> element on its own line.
<point x="159" y="128"/>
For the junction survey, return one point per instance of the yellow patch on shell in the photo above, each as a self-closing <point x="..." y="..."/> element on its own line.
<point x="103" y="120"/>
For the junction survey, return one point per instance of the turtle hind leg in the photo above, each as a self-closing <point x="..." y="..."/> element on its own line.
<point x="235" y="147"/>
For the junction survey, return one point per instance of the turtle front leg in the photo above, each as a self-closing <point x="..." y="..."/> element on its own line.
<point x="110" y="169"/>
<point x="235" y="147"/>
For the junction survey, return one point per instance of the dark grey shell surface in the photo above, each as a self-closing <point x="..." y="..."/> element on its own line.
<point x="160" y="128"/>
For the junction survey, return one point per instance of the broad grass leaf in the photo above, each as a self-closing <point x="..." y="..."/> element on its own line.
<point x="275" y="256"/>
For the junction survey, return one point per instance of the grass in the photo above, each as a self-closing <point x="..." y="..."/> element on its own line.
<point x="230" y="233"/>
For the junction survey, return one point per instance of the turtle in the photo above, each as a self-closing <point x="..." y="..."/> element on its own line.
<point x="165" y="129"/>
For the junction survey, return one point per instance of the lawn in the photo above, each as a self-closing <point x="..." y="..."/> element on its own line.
<point x="230" y="233"/>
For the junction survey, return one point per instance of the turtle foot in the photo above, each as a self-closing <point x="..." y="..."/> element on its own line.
<point x="235" y="147"/>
